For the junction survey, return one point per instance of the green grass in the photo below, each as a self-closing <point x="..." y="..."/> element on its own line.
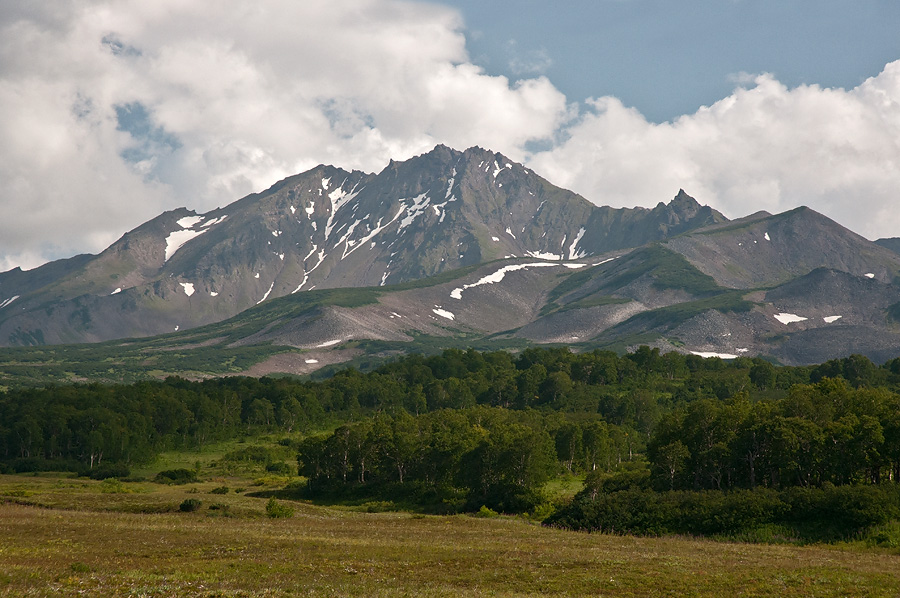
<point x="670" y="270"/>
<point x="575" y="281"/>
<point x="893" y="312"/>
<point x="673" y="315"/>
<point x="595" y="301"/>
<point x="85" y="542"/>
<point x="67" y="536"/>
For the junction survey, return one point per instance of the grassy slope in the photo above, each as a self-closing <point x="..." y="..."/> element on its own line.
<point x="202" y="351"/>
<point x="64" y="537"/>
<point x="323" y="551"/>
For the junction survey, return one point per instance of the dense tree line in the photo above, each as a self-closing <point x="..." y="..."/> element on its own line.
<point x="93" y="423"/>
<point x="490" y="456"/>
<point x="807" y="514"/>
<point x="86" y="425"/>
<point x="818" y="433"/>
<point x="474" y="456"/>
<point x="705" y="423"/>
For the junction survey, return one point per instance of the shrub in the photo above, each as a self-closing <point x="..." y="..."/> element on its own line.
<point x="253" y="454"/>
<point x="487" y="512"/>
<point x="32" y="464"/>
<point x="886" y="536"/>
<point x="189" y="505"/>
<point x="106" y="471"/>
<point x="280" y="468"/>
<point x="276" y="510"/>
<point x="113" y="486"/>
<point x="220" y="510"/>
<point x="541" y="512"/>
<point x="176" y="476"/>
<point x="219" y="490"/>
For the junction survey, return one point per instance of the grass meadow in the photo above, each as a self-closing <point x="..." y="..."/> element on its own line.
<point x="67" y="536"/>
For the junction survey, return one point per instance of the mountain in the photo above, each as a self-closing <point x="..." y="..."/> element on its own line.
<point x="618" y="300"/>
<point x="464" y="249"/>
<point x="325" y="228"/>
<point x="892" y="243"/>
<point x="763" y="250"/>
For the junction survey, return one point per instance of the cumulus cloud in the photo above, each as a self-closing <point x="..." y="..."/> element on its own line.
<point x="764" y="147"/>
<point x="115" y="110"/>
<point x="125" y="108"/>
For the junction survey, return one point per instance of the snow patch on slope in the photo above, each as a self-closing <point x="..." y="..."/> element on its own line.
<point x="266" y="296"/>
<point x="707" y="354"/>
<point x="178" y="238"/>
<point x="414" y="210"/>
<point x="789" y="318"/>
<point x="573" y="254"/>
<point x="189" y="221"/>
<point x="443" y="313"/>
<point x="497" y="276"/>
<point x="544" y="255"/>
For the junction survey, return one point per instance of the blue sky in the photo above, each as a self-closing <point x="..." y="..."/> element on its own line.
<point x="116" y="110"/>
<point x="669" y="58"/>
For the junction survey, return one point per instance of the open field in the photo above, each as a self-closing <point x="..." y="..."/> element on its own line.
<point x="66" y="537"/>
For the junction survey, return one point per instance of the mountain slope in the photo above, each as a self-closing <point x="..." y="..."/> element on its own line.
<point x="325" y="228"/>
<point x="650" y="295"/>
<point x="765" y="250"/>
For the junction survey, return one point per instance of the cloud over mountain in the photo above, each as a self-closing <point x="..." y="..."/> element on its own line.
<point x="123" y="109"/>
<point x="120" y="109"/>
<point x="764" y="147"/>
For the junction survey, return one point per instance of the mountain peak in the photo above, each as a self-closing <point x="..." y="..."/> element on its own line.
<point x="328" y="228"/>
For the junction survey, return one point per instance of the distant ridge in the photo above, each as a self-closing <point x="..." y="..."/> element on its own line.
<point x="325" y="228"/>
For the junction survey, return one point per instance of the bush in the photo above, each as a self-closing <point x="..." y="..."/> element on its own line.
<point x="106" y="471"/>
<point x="113" y="486"/>
<point x="32" y="464"/>
<point x="276" y="510"/>
<point x="487" y="512"/>
<point x="885" y="536"/>
<point x="820" y="514"/>
<point x="220" y="510"/>
<point x="176" y="476"/>
<point x="280" y="468"/>
<point x="847" y="509"/>
<point x="189" y="505"/>
<point x="219" y="490"/>
<point x="252" y="454"/>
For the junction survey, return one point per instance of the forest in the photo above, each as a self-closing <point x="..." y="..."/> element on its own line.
<point x="461" y="430"/>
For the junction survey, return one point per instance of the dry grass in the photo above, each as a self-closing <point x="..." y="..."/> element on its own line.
<point x="87" y="542"/>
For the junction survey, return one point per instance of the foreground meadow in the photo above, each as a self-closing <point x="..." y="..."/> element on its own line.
<point x="74" y="537"/>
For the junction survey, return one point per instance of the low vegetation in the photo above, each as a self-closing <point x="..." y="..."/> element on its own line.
<point x="643" y="444"/>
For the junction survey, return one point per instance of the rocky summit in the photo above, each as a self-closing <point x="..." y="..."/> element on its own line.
<point x="466" y="248"/>
<point x="324" y="228"/>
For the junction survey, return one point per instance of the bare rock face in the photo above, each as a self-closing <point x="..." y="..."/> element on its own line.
<point x="325" y="228"/>
<point x="469" y="247"/>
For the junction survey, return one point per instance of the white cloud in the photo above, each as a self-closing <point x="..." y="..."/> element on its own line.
<point x="229" y="101"/>
<point x="763" y="147"/>
<point x="527" y="62"/>
<point x="115" y="110"/>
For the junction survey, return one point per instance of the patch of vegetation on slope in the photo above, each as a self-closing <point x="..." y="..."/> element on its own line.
<point x="670" y="270"/>
<point x="673" y="315"/>
<point x="893" y="312"/>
